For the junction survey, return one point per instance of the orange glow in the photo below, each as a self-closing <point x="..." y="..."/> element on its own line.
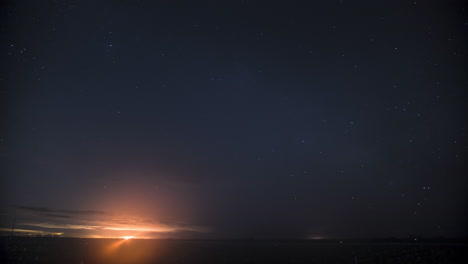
<point x="124" y="250"/>
<point x="127" y="237"/>
<point x="113" y="247"/>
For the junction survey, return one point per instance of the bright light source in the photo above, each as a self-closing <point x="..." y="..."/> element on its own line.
<point x="127" y="237"/>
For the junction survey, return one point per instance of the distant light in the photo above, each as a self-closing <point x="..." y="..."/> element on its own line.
<point x="127" y="237"/>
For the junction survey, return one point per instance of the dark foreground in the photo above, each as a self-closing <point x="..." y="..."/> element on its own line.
<point x="74" y="250"/>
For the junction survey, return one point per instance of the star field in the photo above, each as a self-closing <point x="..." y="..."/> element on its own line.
<point x="236" y="120"/>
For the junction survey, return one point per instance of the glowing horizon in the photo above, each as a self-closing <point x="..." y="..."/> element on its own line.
<point x="94" y="224"/>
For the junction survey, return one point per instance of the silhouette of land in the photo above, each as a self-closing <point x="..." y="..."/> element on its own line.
<point x="82" y="250"/>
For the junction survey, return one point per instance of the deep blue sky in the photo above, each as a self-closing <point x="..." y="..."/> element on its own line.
<point x="235" y="120"/>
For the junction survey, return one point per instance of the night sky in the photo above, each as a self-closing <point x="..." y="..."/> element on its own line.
<point x="234" y="119"/>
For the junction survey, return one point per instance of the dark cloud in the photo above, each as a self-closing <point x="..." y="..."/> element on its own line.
<point x="58" y="213"/>
<point x="57" y="216"/>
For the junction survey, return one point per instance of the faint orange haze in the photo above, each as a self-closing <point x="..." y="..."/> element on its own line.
<point x="129" y="251"/>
